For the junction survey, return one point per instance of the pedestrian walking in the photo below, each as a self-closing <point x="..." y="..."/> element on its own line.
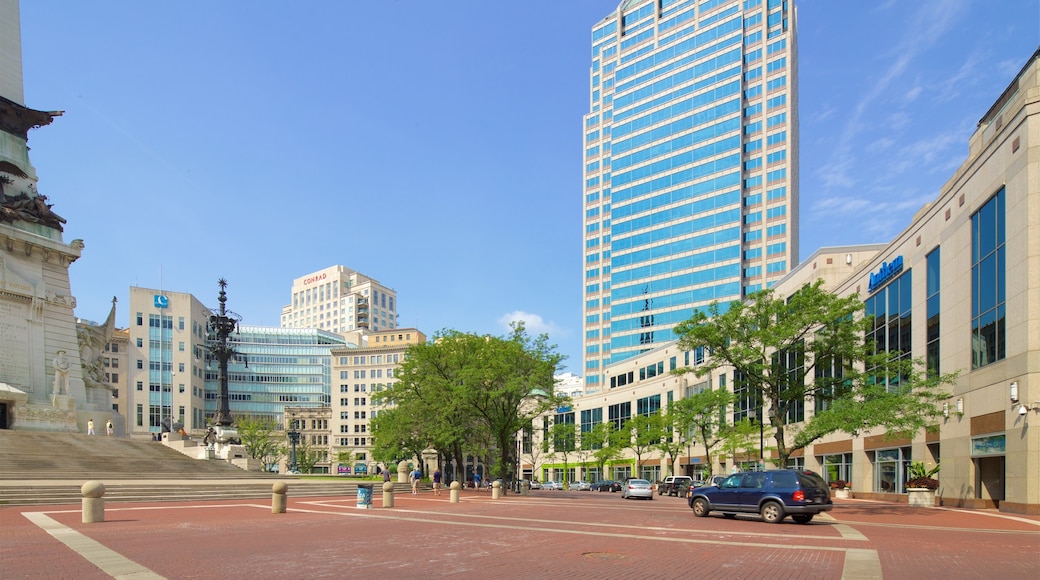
<point x="90" y="427"/>
<point x="109" y="430"/>
<point x="386" y="475"/>
<point x="416" y="477"/>
<point x="437" y="482"/>
<point x="476" y="481"/>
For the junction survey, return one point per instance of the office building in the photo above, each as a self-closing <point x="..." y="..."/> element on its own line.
<point x="690" y="166"/>
<point x="361" y="373"/>
<point x="274" y="368"/>
<point x="338" y="299"/>
<point x="956" y="289"/>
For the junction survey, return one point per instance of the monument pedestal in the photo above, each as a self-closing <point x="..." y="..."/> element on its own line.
<point x="42" y="417"/>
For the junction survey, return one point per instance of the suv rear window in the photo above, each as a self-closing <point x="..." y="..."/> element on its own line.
<point x="784" y="479"/>
<point x="811" y="480"/>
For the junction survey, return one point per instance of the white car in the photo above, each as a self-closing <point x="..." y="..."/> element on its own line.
<point x="637" y="488"/>
<point x="552" y="485"/>
<point x="535" y="484"/>
<point x="581" y="485"/>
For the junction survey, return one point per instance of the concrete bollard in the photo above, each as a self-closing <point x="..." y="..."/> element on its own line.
<point x="93" y="502"/>
<point x="388" y="494"/>
<point x="278" y="499"/>
<point x="525" y="487"/>
<point x="453" y="493"/>
<point x="496" y="489"/>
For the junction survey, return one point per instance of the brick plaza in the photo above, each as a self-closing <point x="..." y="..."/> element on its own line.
<point x="545" y="534"/>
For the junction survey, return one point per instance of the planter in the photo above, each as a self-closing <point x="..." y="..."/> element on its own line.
<point x="843" y="493"/>
<point x="921" y="497"/>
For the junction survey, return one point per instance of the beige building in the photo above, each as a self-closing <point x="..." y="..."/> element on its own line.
<point x="959" y="288"/>
<point x="115" y="360"/>
<point x="312" y="426"/>
<point x="338" y="299"/>
<point x="166" y="361"/>
<point x="358" y="374"/>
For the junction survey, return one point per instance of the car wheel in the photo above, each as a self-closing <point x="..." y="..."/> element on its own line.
<point x="772" y="512"/>
<point x="802" y="518"/>
<point x="700" y="507"/>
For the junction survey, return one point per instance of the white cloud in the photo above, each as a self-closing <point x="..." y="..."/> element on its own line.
<point x="534" y="323"/>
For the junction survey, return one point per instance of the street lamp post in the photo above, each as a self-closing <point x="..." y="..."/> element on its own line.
<point x="221" y="326"/>
<point x="294" y="438"/>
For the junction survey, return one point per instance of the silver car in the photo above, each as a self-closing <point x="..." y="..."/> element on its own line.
<point x="637" y="488"/>
<point x="581" y="485"/>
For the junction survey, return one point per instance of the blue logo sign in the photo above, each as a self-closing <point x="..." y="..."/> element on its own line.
<point x="161" y="301"/>
<point x="886" y="272"/>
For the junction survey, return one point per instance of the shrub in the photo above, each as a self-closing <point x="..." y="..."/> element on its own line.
<point x="838" y="484"/>
<point x="925" y="482"/>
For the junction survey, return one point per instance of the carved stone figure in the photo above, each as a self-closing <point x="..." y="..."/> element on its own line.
<point x="61" y="373"/>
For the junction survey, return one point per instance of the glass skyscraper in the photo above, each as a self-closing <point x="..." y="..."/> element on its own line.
<point x="691" y="166"/>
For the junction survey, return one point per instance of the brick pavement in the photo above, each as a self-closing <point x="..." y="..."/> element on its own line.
<point x="546" y="534"/>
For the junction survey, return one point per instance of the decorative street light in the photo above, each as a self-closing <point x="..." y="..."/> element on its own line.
<point x="294" y="438"/>
<point x="220" y="327"/>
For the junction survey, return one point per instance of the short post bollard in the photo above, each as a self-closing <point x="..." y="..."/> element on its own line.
<point x="388" y="494"/>
<point x="278" y="499"/>
<point x="453" y="493"/>
<point x="496" y="489"/>
<point x="93" y="502"/>
<point x="525" y="487"/>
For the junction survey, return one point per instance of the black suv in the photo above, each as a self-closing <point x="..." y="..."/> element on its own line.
<point x="674" y="485"/>
<point x="773" y="494"/>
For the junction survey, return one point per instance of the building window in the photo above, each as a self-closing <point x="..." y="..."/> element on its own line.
<point x="932" y="292"/>
<point x="988" y="283"/>
<point x="889" y="308"/>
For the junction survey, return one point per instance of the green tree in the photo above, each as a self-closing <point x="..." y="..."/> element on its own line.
<point x="563" y="438"/>
<point x="700" y="419"/>
<point x="672" y="442"/>
<point x="741" y="436"/>
<point x="644" y="433"/>
<point x="461" y="390"/>
<point x="606" y="445"/>
<point x="309" y="455"/>
<point x="812" y="346"/>
<point x="259" y="437"/>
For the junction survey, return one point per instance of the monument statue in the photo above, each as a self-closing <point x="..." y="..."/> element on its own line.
<point x="61" y="373"/>
<point x="92" y="340"/>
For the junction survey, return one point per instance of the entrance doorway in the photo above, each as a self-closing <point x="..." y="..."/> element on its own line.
<point x="989" y="478"/>
<point x="3" y="415"/>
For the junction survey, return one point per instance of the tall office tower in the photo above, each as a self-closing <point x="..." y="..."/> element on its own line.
<point x="338" y="299"/>
<point x="691" y="166"/>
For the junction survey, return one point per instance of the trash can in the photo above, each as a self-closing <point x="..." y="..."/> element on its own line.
<point x="364" y="496"/>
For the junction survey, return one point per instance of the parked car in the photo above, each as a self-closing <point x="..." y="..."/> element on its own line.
<point x="552" y="485"/>
<point x="773" y="494"/>
<point x="535" y="484"/>
<point x="607" y="485"/>
<point x="581" y="486"/>
<point x="673" y="485"/>
<point x="637" y="488"/>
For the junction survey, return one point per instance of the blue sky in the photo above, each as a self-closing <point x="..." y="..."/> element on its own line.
<point x="437" y="147"/>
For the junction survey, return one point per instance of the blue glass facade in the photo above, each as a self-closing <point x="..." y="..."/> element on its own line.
<point x="281" y="367"/>
<point x="690" y="166"/>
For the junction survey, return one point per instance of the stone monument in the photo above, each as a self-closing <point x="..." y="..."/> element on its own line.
<point x="41" y="378"/>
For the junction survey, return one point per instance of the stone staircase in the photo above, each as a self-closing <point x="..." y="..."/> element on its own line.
<point x="38" y="468"/>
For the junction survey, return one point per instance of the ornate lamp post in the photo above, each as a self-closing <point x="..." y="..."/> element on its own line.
<point x="220" y="327"/>
<point x="294" y="438"/>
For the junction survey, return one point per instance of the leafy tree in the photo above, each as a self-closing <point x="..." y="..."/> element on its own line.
<point x="670" y="445"/>
<point x="699" y="418"/>
<point x="740" y="436"/>
<point x="259" y="437"/>
<point x="644" y="433"/>
<point x="607" y="445"/>
<point x="308" y="455"/>
<point x="563" y="437"/>
<point x="812" y="346"/>
<point x="461" y="390"/>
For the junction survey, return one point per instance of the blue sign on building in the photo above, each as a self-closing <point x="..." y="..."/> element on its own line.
<point x="161" y="301"/>
<point x="886" y="272"/>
